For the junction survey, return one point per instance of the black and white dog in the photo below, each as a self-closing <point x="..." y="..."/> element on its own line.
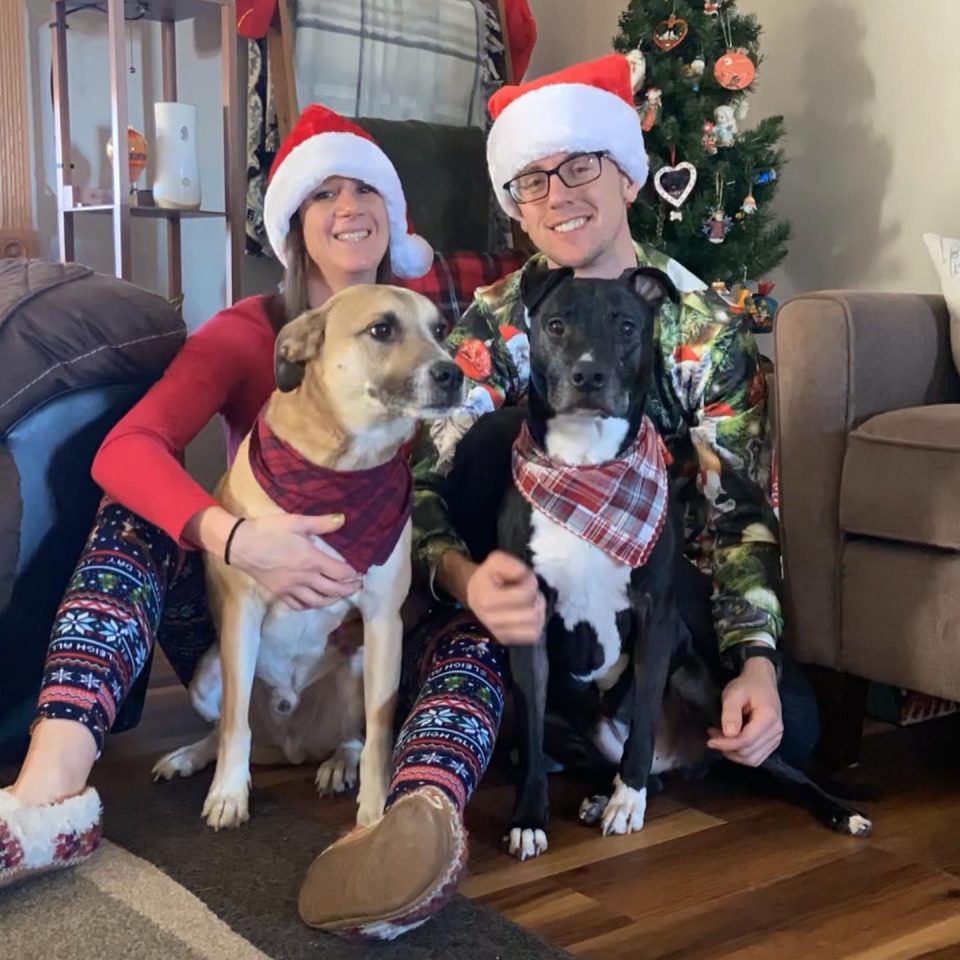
<point x="616" y="660"/>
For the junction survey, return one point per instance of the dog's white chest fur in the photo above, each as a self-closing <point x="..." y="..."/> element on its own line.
<point x="591" y="586"/>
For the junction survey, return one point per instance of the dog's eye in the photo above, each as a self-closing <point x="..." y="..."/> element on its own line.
<point x="555" y="326"/>
<point x="381" y="332"/>
<point x="440" y="331"/>
<point x="627" y="327"/>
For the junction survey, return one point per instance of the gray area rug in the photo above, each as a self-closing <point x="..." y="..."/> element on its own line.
<point x="235" y="891"/>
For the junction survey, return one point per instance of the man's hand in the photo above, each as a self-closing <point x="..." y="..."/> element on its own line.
<point x="751" y="716"/>
<point x="504" y="595"/>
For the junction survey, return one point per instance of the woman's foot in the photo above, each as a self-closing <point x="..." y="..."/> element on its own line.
<point x="37" y="839"/>
<point x="382" y="880"/>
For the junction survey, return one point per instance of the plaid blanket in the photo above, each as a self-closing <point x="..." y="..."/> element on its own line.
<point x="453" y="280"/>
<point x="619" y="506"/>
<point x="376" y="503"/>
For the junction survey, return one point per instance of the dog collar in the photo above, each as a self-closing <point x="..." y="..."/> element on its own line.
<point x="619" y="506"/>
<point x="376" y="503"/>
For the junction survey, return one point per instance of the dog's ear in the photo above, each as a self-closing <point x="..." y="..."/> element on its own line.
<point x="651" y="285"/>
<point x="535" y="284"/>
<point x="298" y="341"/>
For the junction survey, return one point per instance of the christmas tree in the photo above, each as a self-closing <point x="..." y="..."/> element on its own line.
<point x="707" y="202"/>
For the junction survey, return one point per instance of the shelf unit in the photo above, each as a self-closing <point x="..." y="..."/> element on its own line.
<point x="167" y="13"/>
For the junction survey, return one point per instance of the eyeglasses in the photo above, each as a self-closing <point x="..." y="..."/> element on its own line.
<point x="575" y="171"/>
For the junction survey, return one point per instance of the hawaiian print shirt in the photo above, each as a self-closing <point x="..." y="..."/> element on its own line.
<point x="709" y="404"/>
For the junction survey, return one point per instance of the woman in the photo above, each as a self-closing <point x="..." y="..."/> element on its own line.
<point x="336" y="216"/>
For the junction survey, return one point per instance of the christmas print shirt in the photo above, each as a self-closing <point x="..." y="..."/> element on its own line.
<point x="708" y="402"/>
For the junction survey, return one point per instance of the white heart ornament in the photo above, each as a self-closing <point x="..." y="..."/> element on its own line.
<point x="675" y="184"/>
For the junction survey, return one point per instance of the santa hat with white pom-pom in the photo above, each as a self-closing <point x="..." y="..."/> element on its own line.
<point x="323" y="144"/>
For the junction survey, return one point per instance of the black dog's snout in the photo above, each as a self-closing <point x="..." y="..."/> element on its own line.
<point x="588" y="375"/>
<point x="446" y="374"/>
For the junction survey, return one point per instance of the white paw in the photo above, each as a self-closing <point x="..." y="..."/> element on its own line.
<point x="526" y="844"/>
<point x="859" y="826"/>
<point x="184" y="762"/>
<point x="625" y="810"/>
<point x="226" y="805"/>
<point x="339" y="773"/>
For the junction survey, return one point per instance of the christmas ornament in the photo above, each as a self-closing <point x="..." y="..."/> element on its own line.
<point x="765" y="176"/>
<point x="725" y="125"/>
<point x="734" y="70"/>
<point x="638" y="68"/>
<point x="709" y="139"/>
<point x="741" y="107"/>
<point x="718" y="224"/>
<point x="693" y="71"/>
<point x="749" y="204"/>
<point x="670" y="33"/>
<point x="651" y="108"/>
<point x="136" y="154"/>
<point x="674" y="182"/>
<point x="719" y="287"/>
<point x="711" y="7"/>
<point x="765" y="306"/>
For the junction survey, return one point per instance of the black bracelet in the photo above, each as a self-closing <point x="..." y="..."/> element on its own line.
<point x="746" y="651"/>
<point x="230" y="536"/>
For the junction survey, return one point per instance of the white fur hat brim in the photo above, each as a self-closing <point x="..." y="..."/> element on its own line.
<point x="563" y="118"/>
<point x="344" y="155"/>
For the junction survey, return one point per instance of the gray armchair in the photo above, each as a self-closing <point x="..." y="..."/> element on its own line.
<point x="868" y="426"/>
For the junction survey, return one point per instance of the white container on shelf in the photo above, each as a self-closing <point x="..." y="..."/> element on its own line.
<point x="176" y="185"/>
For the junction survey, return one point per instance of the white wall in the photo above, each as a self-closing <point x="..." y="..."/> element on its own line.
<point x="198" y="60"/>
<point x="869" y="92"/>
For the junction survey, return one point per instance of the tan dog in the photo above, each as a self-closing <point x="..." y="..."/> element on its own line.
<point x="354" y="377"/>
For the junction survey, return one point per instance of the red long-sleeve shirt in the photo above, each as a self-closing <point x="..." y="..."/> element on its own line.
<point x="226" y="368"/>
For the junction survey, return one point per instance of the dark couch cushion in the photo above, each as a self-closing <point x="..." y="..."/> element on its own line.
<point x="444" y="175"/>
<point x="901" y="476"/>
<point x="64" y="327"/>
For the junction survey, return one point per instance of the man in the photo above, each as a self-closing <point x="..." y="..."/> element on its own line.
<point x="566" y="159"/>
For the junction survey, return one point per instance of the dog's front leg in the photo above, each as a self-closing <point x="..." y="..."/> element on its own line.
<point x="227" y="800"/>
<point x="654" y="643"/>
<point x="528" y="825"/>
<point x="382" y="646"/>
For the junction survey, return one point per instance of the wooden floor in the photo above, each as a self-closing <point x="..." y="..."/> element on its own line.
<point x="720" y="871"/>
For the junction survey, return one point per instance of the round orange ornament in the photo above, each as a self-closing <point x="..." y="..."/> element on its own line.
<point x="136" y="153"/>
<point x="734" y="70"/>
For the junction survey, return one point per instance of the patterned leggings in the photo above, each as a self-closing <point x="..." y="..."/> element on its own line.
<point x="134" y="585"/>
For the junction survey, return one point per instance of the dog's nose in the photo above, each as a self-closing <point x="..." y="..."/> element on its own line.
<point x="588" y="375"/>
<point x="446" y="374"/>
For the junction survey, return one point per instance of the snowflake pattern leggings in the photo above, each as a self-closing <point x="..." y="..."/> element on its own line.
<point x="134" y="586"/>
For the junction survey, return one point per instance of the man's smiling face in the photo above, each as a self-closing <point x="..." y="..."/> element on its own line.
<point x="575" y="226"/>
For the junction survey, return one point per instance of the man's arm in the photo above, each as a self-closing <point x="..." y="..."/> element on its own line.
<point x="732" y="440"/>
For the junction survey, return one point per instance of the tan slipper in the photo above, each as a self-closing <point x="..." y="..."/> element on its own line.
<point x="383" y="880"/>
<point x="35" y="840"/>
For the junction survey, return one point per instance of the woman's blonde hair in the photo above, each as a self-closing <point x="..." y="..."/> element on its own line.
<point x="296" y="299"/>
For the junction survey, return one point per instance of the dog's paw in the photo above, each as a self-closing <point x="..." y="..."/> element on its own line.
<point x="339" y="774"/>
<point x="853" y="825"/>
<point x="625" y="810"/>
<point x="591" y="809"/>
<point x="186" y="761"/>
<point x="526" y="844"/>
<point x="227" y="806"/>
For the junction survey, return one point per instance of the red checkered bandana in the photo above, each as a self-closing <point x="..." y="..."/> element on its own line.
<point x="619" y="506"/>
<point x="376" y="503"/>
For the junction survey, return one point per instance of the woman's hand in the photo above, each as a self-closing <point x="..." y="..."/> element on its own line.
<point x="278" y="552"/>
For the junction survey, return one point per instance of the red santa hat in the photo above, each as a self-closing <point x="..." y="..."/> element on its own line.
<point x="586" y="107"/>
<point x="323" y="144"/>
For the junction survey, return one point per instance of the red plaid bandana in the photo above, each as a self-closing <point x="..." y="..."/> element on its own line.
<point x="376" y="503"/>
<point x="619" y="506"/>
